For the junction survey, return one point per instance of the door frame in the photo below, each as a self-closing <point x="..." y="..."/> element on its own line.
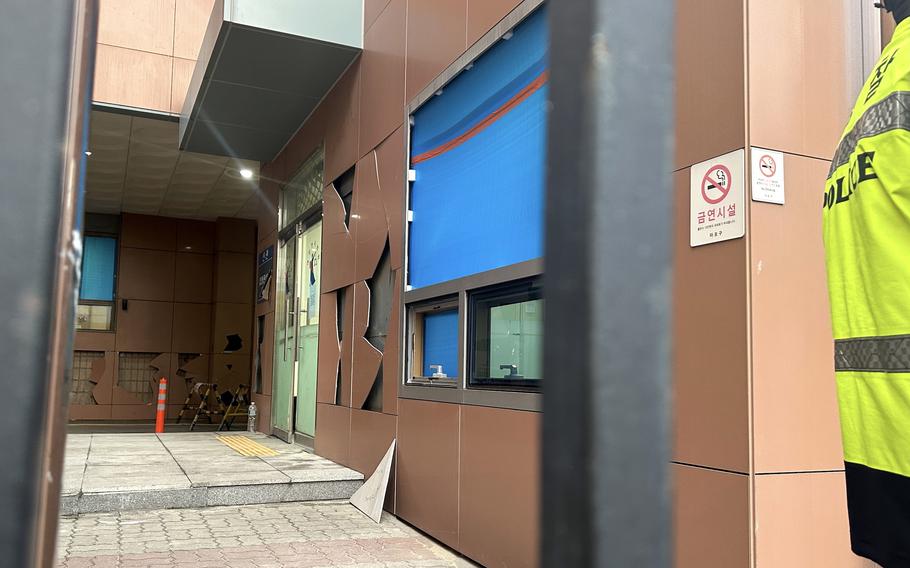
<point x="293" y="230"/>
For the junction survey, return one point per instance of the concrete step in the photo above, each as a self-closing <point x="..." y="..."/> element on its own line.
<point x="121" y="472"/>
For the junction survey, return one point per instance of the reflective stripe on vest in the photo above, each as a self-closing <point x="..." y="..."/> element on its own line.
<point x="873" y="354"/>
<point x="893" y="113"/>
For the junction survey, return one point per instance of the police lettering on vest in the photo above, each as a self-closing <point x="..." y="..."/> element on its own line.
<point x="861" y="170"/>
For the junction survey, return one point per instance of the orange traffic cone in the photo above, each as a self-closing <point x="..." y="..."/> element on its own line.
<point x="162" y="406"/>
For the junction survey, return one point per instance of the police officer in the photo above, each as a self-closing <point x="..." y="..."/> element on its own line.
<point x="867" y="250"/>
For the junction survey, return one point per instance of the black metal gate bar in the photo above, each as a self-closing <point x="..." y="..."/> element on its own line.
<point x="606" y="491"/>
<point x="45" y="80"/>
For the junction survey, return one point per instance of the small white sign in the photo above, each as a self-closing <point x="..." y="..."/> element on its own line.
<point x="767" y="176"/>
<point x="717" y="199"/>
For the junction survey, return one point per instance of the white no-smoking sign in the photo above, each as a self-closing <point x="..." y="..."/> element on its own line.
<point x="767" y="176"/>
<point x="717" y="200"/>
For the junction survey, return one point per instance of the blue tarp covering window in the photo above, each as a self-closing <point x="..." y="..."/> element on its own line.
<point x="440" y="342"/>
<point x="98" y="258"/>
<point x="478" y="150"/>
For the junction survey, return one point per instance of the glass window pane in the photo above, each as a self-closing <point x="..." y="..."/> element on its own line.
<point x="440" y="343"/>
<point x="515" y="340"/>
<point x="304" y="191"/>
<point x="94" y="317"/>
<point x="99" y="256"/>
<point x="507" y="336"/>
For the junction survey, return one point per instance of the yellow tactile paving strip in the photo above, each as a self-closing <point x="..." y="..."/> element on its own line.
<point x="246" y="447"/>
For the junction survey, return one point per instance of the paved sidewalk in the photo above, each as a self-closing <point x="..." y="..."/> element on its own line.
<point x="116" y="472"/>
<point x="298" y="535"/>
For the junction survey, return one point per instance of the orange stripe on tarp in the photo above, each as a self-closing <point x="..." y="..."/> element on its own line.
<point x="523" y="94"/>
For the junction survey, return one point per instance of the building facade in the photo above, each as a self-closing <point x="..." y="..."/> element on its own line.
<point x="341" y="209"/>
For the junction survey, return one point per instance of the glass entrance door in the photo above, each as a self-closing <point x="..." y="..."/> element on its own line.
<point x="297" y="303"/>
<point x="285" y="340"/>
<point x="309" y="259"/>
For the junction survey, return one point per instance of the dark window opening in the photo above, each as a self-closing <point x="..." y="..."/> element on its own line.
<point x="344" y="185"/>
<point x="257" y="380"/>
<point x="340" y="295"/>
<point x="381" y="287"/>
<point x="373" y="401"/>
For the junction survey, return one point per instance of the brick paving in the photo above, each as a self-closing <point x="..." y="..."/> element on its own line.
<point x="286" y="535"/>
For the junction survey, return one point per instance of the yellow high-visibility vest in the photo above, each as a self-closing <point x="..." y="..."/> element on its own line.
<point x="867" y="247"/>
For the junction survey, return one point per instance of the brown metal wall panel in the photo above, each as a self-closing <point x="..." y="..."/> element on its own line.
<point x="94" y="341"/>
<point x="711" y="519"/>
<point x="235" y="235"/>
<point x="231" y="319"/>
<point x="280" y="169"/>
<point x="192" y="17"/>
<point x="195" y="236"/>
<point x="329" y="349"/>
<point x="146" y="274"/>
<point x="391" y="165"/>
<point x="145" y="326"/>
<point x="148" y="232"/>
<point x="333" y="433"/>
<point x="799" y="70"/>
<point x="371" y="10"/>
<point x="196" y="370"/>
<point x="176" y="385"/>
<point x="802" y="521"/>
<point x="237" y="374"/>
<point x="390" y="357"/>
<point x="181" y="76"/>
<point x="436" y="37"/>
<point x="366" y="358"/>
<point x="267" y="210"/>
<point x="103" y="376"/>
<point x="337" y="244"/>
<point x="192" y="328"/>
<point x="132" y="412"/>
<point x="86" y="412"/>
<point x="193" y="277"/>
<point x="371" y="435"/>
<point x="428" y="434"/>
<point x="383" y="76"/>
<point x="143" y="25"/>
<point x="132" y="78"/>
<point x="268" y="352"/>
<point x="484" y="14"/>
<point x="710" y="119"/>
<point x="369" y="225"/>
<point x="499" y="486"/>
<point x="229" y="370"/>
<point x="710" y="359"/>
<point x="306" y="141"/>
<point x="342" y="123"/>
<point x="888" y="25"/>
<point x="264" y="418"/>
<point x="234" y="278"/>
<point x="794" y="399"/>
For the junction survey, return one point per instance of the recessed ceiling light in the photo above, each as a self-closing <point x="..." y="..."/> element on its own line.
<point x="88" y="152"/>
<point x="246" y="174"/>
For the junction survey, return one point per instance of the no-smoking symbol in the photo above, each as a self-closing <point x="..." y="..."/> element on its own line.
<point x="717" y="184"/>
<point x="767" y="166"/>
